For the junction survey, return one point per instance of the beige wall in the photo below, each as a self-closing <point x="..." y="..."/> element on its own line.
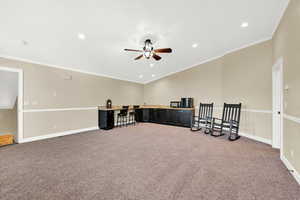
<point x="49" y="88"/>
<point x="247" y="77"/>
<point x="8" y="121"/>
<point x="242" y="76"/>
<point x="43" y="123"/>
<point x="203" y="83"/>
<point x="286" y="43"/>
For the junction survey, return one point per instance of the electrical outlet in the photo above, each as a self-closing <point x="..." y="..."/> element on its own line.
<point x="54" y="94"/>
<point x="54" y="126"/>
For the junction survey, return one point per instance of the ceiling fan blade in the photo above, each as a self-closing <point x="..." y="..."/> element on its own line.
<point x="156" y="57"/>
<point x="133" y="50"/>
<point x="139" y="57"/>
<point x="165" y="50"/>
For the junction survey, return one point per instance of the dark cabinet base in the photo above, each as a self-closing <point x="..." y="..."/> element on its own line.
<point x="153" y="115"/>
<point x="166" y="116"/>
<point x="106" y="119"/>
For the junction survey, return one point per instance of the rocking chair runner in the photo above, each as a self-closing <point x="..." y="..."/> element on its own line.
<point x="230" y="121"/>
<point x="204" y="118"/>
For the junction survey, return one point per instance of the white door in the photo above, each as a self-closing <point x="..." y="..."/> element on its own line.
<point x="277" y="103"/>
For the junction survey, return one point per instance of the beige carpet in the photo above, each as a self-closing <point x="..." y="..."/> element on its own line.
<point x="144" y="162"/>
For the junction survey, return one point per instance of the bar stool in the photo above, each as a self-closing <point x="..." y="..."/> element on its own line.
<point x="122" y="116"/>
<point x="132" y="115"/>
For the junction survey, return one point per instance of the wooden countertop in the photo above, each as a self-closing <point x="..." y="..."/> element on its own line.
<point x="144" y="106"/>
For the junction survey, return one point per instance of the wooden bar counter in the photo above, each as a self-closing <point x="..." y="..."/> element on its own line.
<point x="148" y="113"/>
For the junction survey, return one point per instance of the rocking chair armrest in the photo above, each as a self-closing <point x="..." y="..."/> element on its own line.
<point x="216" y="121"/>
<point x="215" y="118"/>
<point x="234" y="122"/>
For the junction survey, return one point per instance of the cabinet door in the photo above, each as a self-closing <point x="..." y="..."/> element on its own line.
<point x="152" y="115"/>
<point x="174" y="117"/>
<point x="146" y="114"/>
<point x="102" y="119"/>
<point x="110" y="119"/>
<point x="106" y="119"/>
<point x="185" y="118"/>
<point x="139" y="115"/>
<point x="167" y="116"/>
<point x="161" y="116"/>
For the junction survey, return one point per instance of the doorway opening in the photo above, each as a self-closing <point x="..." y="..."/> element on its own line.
<point x="11" y="102"/>
<point x="277" y="77"/>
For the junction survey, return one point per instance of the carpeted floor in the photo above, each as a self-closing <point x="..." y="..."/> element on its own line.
<point x="145" y="162"/>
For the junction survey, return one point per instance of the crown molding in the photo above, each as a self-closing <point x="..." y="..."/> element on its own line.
<point x="280" y="18"/>
<point x="134" y="81"/>
<point x="210" y="59"/>
<point x="66" y="68"/>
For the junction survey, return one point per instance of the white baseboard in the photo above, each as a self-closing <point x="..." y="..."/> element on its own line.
<point x="290" y="167"/>
<point x="256" y="138"/>
<point x="64" y="133"/>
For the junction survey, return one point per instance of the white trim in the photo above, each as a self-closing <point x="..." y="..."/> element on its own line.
<point x="257" y="111"/>
<point x="280" y="17"/>
<point x="277" y="101"/>
<point x="247" y="110"/>
<point x="59" y="134"/>
<point x="20" y="106"/>
<point x="256" y="138"/>
<point x="6" y="107"/>
<point x="209" y="60"/>
<point x="66" y="68"/>
<point x="291" y="169"/>
<point x="291" y="118"/>
<point x="59" y="109"/>
<point x="20" y="100"/>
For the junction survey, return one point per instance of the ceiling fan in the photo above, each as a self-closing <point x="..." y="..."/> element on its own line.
<point x="148" y="51"/>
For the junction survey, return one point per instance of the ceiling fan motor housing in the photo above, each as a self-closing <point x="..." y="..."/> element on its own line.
<point x="148" y="49"/>
<point x="149" y="52"/>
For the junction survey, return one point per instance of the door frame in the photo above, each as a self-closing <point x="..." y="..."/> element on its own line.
<point x="20" y="135"/>
<point x="277" y="135"/>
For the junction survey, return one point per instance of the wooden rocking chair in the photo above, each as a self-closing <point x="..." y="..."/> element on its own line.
<point x="204" y="118"/>
<point x="230" y="122"/>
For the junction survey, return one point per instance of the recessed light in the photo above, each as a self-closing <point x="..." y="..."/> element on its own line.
<point x="153" y="75"/>
<point x="151" y="65"/>
<point x="24" y="42"/>
<point x="195" y="45"/>
<point x="244" y="24"/>
<point x="141" y="76"/>
<point x="81" y="36"/>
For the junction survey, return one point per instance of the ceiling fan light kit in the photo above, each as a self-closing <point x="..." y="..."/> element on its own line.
<point x="149" y="51"/>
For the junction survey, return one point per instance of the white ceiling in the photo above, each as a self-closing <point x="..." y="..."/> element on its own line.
<point x="50" y="29"/>
<point x="8" y="89"/>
